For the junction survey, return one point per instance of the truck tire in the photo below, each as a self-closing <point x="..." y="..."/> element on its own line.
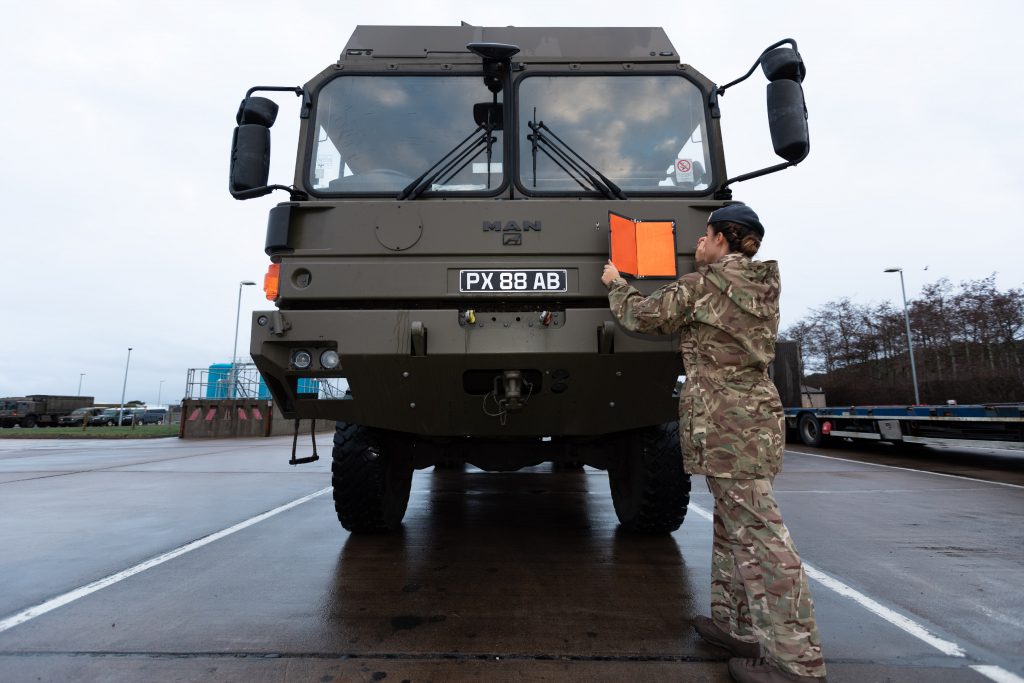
<point x="650" y="490"/>
<point x="28" y="421"/>
<point x="371" y="479"/>
<point x="809" y="429"/>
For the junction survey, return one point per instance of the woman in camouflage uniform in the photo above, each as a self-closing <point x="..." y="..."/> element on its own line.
<point x="731" y="427"/>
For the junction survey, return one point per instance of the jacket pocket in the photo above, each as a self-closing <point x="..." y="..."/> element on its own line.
<point x="693" y="430"/>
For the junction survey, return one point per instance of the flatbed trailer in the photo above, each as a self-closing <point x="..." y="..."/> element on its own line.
<point x="998" y="425"/>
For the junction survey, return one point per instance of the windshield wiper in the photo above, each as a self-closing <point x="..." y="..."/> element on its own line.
<point x="453" y="162"/>
<point x="555" y="146"/>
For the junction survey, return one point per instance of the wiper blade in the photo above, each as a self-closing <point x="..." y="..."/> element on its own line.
<point x="570" y="158"/>
<point x="452" y="163"/>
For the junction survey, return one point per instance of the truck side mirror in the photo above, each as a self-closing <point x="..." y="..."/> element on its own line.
<point x="787" y="120"/>
<point x="783" y="62"/>
<point x="250" y="148"/>
<point x="250" y="161"/>
<point x="787" y="111"/>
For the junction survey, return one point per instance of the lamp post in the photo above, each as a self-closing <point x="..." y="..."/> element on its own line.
<point x="234" y="348"/>
<point x="120" y="410"/>
<point x="910" y="342"/>
<point x="159" y="390"/>
<point x="80" y="376"/>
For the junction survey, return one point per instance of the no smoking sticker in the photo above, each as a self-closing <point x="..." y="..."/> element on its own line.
<point x="684" y="171"/>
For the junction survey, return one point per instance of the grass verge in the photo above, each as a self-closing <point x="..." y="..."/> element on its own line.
<point x="141" y="432"/>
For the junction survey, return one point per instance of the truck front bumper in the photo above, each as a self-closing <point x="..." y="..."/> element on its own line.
<point x="432" y="372"/>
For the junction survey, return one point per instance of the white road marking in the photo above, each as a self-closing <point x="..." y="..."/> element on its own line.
<point x="834" y="491"/>
<point x="907" y="469"/>
<point x="895" y="618"/>
<point x="997" y="673"/>
<point x="71" y="596"/>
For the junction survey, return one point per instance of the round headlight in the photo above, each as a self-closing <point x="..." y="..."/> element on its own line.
<point x="302" y="359"/>
<point x="329" y="359"/>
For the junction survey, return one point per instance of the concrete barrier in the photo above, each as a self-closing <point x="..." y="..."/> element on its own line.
<point x="225" y="419"/>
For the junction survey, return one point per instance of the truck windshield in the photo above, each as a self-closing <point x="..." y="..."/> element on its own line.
<point x="375" y="134"/>
<point x="646" y="133"/>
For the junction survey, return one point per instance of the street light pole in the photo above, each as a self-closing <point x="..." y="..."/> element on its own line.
<point x="80" y="376"/>
<point x="159" y="390"/>
<point x="910" y="341"/>
<point x="234" y="347"/>
<point x="120" y="410"/>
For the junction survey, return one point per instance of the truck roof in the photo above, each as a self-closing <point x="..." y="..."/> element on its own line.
<point x="549" y="44"/>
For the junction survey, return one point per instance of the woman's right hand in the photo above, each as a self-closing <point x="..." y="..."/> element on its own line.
<point x="699" y="252"/>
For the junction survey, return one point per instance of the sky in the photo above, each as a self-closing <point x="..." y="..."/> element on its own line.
<point x="117" y="229"/>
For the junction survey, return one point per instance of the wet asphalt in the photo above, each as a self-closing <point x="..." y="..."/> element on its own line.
<point x="521" y="576"/>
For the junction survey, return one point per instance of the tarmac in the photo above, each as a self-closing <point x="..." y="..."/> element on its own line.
<point x="217" y="561"/>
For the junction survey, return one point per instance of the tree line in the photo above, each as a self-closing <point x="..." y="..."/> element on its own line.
<point x="968" y="340"/>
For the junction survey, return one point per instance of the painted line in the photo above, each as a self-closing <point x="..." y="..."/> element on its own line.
<point x="71" y="596"/>
<point x="836" y="491"/>
<point x="997" y="674"/>
<point x="907" y="469"/>
<point x="895" y="618"/>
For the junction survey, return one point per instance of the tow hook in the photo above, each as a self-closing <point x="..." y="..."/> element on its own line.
<point x="545" y="318"/>
<point x="513" y="387"/>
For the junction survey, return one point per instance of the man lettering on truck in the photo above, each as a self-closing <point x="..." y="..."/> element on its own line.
<point x="731" y="422"/>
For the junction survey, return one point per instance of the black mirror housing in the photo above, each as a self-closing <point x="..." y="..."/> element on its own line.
<point x="257" y="110"/>
<point x="250" y="161"/>
<point x="787" y="120"/>
<point x="489" y="113"/>
<point x="783" y="63"/>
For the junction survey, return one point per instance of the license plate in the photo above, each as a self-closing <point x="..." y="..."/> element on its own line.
<point x="525" y="280"/>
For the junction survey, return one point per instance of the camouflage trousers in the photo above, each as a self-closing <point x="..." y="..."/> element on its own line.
<point x="759" y="589"/>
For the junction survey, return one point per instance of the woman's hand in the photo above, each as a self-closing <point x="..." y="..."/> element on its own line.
<point x="699" y="255"/>
<point x="610" y="273"/>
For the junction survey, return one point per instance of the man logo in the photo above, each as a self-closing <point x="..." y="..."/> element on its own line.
<point x="511" y="226"/>
<point x="511" y="231"/>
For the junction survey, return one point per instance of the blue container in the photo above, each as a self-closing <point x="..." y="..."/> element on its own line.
<point x="218" y="381"/>
<point x="308" y="385"/>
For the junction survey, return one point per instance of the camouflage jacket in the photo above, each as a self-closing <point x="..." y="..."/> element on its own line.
<point x="727" y="318"/>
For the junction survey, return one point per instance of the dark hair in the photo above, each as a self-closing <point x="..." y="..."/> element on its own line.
<point x="739" y="237"/>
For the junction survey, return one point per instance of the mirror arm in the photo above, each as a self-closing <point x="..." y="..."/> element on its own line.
<point x="719" y="90"/>
<point x="307" y="101"/>
<point x="725" y="192"/>
<point x="298" y="90"/>
<point x="296" y="195"/>
<point x="722" y="88"/>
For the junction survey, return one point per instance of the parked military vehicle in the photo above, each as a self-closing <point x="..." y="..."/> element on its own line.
<point x="436" y="268"/>
<point x="78" y="416"/>
<point x="40" y="410"/>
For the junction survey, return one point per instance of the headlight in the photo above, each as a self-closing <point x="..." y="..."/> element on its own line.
<point x="329" y="359"/>
<point x="301" y="359"/>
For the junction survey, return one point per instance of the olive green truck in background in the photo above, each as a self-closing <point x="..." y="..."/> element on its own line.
<point x="38" y="410"/>
<point x="436" y="269"/>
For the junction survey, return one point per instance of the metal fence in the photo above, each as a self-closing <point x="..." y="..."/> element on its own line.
<point x="243" y="381"/>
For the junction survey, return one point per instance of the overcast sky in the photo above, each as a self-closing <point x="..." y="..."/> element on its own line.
<point x="116" y="123"/>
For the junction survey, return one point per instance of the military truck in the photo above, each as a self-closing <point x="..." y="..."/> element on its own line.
<point x="40" y="410"/>
<point x="436" y="268"/>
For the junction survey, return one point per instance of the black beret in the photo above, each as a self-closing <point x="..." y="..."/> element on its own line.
<point x="740" y="214"/>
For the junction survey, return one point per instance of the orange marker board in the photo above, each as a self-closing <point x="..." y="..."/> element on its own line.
<point x="641" y="248"/>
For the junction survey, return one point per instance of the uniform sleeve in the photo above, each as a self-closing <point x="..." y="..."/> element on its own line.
<point x="663" y="312"/>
